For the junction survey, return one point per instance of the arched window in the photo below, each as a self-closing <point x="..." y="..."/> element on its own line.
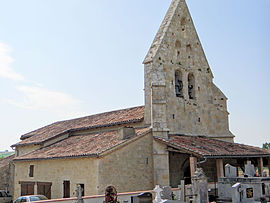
<point x="191" y="86"/>
<point x="178" y="84"/>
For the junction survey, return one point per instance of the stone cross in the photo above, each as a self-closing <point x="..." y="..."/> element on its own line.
<point x="249" y="169"/>
<point x="166" y="193"/>
<point x="79" y="194"/>
<point x="230" y="171"/>
<point x="158" y="191"/>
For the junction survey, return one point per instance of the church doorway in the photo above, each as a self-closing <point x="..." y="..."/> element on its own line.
<point x="179" y="168"/>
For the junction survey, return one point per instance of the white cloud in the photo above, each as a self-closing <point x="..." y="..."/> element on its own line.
<point x="41" y="98"/>
<point x="6" y="70"/>
<point x="35" y="96"/>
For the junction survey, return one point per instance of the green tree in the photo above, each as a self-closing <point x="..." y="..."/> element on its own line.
<point x="266" y="145"/>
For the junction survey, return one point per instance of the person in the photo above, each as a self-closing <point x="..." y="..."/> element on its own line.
<point x="110" y="195"/>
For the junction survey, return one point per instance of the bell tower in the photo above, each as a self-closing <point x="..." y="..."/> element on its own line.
<point x="180" y="96"/>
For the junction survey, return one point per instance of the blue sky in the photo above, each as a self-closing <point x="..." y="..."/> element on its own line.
<point x="68" y="58"/>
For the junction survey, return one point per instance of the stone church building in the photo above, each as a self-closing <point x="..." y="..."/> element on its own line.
<point x="183" y="125"/>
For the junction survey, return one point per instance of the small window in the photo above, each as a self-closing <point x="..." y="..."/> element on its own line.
<point x="31" y="171"/>
<point x="183" y="24"/>
<point x="66" y="189"/>
<point x="178" y="84"/>
<point x="191" y="86"/>
<point x="188" y="51"/>
<point x="178" y="47"/>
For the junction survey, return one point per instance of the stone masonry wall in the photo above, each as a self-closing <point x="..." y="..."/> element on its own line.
<point x="77" y="171"/>
<point x="6" y="174"/>
<point x="210" y="169"/>
<point x="129" y="168"/>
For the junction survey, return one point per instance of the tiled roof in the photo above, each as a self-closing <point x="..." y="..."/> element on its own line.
<point x="124" y="116"/>
<point x="206" y="147"/>
<point x="88" y="145"/>
<point x="5" y="162"/>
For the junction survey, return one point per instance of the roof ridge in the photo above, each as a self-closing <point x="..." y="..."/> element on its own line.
<point x="106" y="112"/>
<point x="27" y="135"/>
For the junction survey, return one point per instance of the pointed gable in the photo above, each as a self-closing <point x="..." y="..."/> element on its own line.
<point x="161" y="32"/>
<point x="177" y="40"/>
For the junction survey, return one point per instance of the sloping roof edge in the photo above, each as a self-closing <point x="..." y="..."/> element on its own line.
<point x="155" y="46"/>
<point x="188" y="151"/>
<point x="79" y="129"/>
<point x="73" y="129"/>
<point x="185" y="150"/>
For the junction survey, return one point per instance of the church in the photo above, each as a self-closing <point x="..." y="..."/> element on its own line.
<point x="183" y="125"/>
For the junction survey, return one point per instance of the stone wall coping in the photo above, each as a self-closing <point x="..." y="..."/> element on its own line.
<point x="244" y="179"/>
<point x="98" y="196"/>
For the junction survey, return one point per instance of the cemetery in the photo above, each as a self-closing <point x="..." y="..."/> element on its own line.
<point x="174" y="148"/>
<point x="231" y="189"/>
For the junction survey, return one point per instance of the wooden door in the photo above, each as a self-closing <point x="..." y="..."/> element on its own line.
<point x="44" y="188"/>
<point x="27" y="188"/>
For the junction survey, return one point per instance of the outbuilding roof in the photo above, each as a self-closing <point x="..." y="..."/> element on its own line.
<point x="119" y="117"/>
<point x="212" y="148"/>
<point x="5" y="161"/>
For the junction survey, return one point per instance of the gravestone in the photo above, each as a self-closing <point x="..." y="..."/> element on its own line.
<point x="166" y="193"/>
<point x="230" y="171"/>
<point x="158" y="199"/>
<point x="181" y="195"/>
<point x="249" y="169"/>
<point x="158" y="191"/>
<point x="237" y="194"/>
<point x="199" y="184"/>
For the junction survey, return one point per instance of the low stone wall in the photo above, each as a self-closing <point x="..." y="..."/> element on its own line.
<point x="225" y="190"/>
<point x="122" y="197"/>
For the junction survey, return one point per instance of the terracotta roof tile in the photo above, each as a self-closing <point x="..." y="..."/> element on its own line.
<point x="123" y="116"/>
<point x="80" y="146"/>
<point x="207" y="147"/>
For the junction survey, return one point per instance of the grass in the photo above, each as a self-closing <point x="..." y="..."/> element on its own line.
<point x="5" y="154"/>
